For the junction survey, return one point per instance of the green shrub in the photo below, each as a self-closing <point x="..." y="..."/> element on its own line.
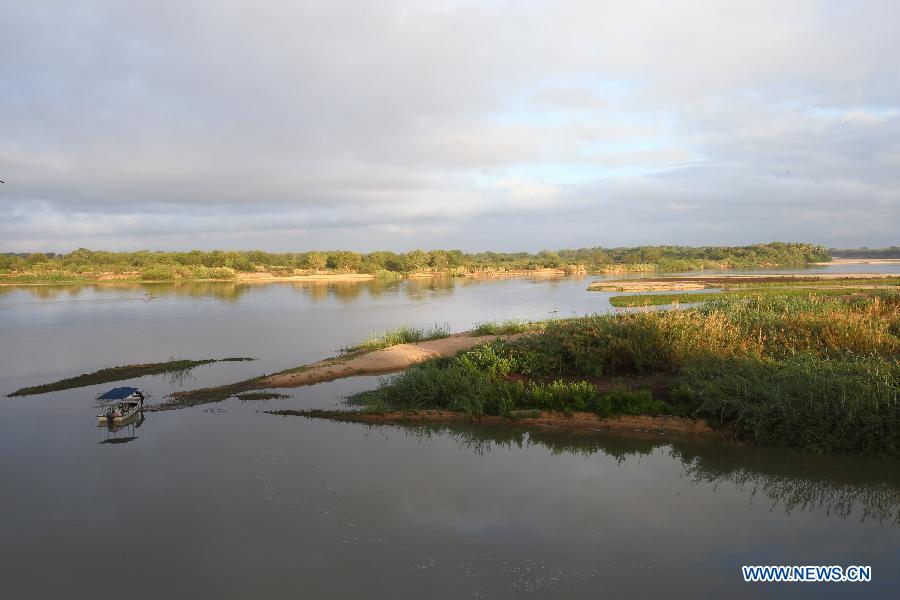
<point x="432" y="386"/>
<point x="487" y="360"/>
<point x="158" y="273"/>
<point x="631" y="402"/>
<point x="508" y="327"/>
<point x="240" y="263"/>
<point x="218" y="273"/>
<point x="562" y="396"/>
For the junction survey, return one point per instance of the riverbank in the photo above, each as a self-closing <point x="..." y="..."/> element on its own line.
<point x="136" y="277"/>
<point x="577" y="421"/>
<point x="87" y="266"/>
<point x="698" y="281"/>
<point x="300" y="276"/>
<point x="27" y="279"/>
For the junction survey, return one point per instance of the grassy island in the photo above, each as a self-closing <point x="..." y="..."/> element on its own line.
<point x="175" y="367"/>
<point x="812" y="372"/>
<point x="731" y="287"/>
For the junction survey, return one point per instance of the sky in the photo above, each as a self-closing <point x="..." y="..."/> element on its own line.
<point x="292" y="125"/>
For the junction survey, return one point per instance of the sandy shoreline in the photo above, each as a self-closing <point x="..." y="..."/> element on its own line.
<point x="269" y="277"/>
<point x="249" y="278"/>
<point x="378" y="362"/>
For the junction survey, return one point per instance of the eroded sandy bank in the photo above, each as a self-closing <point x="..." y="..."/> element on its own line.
<point x="583" y="421"/>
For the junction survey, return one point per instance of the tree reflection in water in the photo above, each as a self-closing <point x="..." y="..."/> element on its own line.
<point x="791" y="481"/>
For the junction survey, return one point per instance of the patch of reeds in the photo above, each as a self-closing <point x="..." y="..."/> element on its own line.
<point x="405" y="334"/>
<point x="507" y="327"/>
<point x="803" y="401"/>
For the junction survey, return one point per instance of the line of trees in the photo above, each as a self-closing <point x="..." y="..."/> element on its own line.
<point x="664" y="258"/>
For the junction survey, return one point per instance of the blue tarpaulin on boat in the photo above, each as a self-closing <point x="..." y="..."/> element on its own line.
<point x="118" y="393"/>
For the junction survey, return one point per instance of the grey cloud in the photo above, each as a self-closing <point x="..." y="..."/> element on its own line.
<point x="423" y="124"/>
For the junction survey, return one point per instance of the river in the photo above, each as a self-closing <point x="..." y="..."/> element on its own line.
<point x="225" y="501"/>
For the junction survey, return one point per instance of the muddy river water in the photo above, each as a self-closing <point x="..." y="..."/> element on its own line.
<point x="226" y="501"/>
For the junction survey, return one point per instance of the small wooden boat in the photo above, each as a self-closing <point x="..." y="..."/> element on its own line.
<point x="126" y="403"/>
<point x="119" y="412"/>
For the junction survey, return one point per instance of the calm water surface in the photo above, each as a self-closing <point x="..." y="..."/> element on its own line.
<point x="225" y="501"/>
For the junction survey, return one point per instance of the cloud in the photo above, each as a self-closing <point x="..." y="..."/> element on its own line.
<point x="467" y="124"/>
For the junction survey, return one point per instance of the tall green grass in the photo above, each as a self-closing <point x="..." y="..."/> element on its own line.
<point x="405" y="334"/>
<point x="694" y="297"/>
<point x="507" y="327"/>
<point x="803" y="401"/>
